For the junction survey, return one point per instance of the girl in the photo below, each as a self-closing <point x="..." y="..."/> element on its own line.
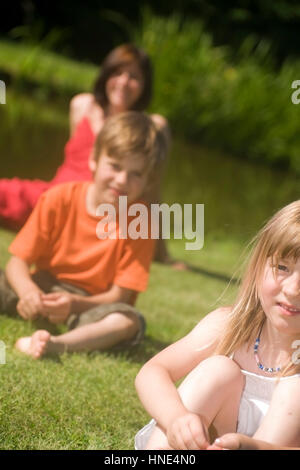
<point x="124" y="83"/>
<point x="242" y="362"/>
<point x="241" y="442"/>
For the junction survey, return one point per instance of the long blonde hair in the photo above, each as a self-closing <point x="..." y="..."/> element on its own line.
<point x="279" y="238"/>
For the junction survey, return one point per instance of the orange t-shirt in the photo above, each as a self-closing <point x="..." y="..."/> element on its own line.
<point x="60" y="237"/>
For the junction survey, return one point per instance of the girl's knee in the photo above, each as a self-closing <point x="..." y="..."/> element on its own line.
<point x="222" y="364"/>
<point x="220" y="370"/>
<point x="226" y="366"/>
<point x="215" y="384"/>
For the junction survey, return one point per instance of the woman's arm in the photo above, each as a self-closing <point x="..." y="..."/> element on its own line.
<point x="79" y="107"/>
<point x="155" y="382"/>
<point x="162" y="125"/>
<point x="153" y="194"/>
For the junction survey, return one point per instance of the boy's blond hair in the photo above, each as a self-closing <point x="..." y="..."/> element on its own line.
<point x="278" y="239"/>
<point x="132" y="133"/>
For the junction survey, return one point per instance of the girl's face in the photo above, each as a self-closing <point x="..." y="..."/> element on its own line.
<point x="279" y="293"/>
<point x="124" y="87"/>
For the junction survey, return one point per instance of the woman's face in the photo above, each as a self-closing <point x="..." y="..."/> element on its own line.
<point x="124" y="87"/>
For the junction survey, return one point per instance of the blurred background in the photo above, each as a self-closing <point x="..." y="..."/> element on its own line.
<point x="76" y="26"/>
<point x="223" y="79"/>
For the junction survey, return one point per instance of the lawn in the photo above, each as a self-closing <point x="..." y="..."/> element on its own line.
<point x="88" y="401"/>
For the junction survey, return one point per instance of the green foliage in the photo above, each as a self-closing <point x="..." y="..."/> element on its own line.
<point x="240" y="104"/>
<point x="34" y="64"/>
<point x="244" y="107"/>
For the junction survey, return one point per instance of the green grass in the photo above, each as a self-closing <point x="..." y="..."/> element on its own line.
<point x="88" y="401"/>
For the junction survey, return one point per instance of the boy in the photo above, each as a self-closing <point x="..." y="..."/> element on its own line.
<point x="83" y="279"/>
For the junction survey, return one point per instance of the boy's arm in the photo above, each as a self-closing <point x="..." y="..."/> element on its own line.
<point x="57" y="306"/>
<point x="131" y="275"/>
<point x="114" y="294"/>
<point x="18" y="276"/>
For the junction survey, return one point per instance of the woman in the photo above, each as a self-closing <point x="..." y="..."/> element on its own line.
<point x="124" y="83"/>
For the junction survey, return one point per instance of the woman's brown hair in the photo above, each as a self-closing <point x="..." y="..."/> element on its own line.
<point x="123" y="55"/>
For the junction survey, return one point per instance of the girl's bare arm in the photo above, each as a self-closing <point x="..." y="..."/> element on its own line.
<point x="281" y="425"/>
<point x="234" y="441"/>
<point x="155" y="382"/>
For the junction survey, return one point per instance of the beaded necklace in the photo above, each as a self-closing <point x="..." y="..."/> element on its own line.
<point x="271" y="370"/>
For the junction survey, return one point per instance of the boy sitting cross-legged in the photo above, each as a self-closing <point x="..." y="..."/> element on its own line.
<point x="87" y="280"/>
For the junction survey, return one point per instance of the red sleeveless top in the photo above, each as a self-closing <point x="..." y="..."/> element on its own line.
<point x="18" y="197"/>
<point x="77" y="151"/>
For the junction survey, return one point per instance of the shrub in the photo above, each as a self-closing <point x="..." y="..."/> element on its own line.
<point x="243" y="106"/>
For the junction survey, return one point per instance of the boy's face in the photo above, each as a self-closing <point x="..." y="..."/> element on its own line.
<point x="114" y="177"/>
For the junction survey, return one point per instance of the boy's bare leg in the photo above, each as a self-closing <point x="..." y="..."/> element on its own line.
<point x="34" y="345"/>
<point x="212" y="390"/>
<point x="104" y="334"/>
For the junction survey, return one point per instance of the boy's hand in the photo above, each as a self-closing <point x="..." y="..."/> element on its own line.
<point x="30" y="305"/>
<point x="57" y="306"/>
<point x="188" y="432"/>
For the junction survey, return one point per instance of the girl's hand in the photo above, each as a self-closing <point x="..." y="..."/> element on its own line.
<point x="30" y="305"/>
<point x="188" y="432"/>
<point x="235" y="441"/>
<point x="57" y="306"/>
